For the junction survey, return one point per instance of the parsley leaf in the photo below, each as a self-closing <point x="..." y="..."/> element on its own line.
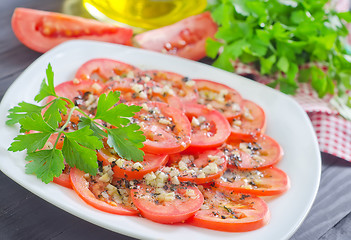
<point x="44" y="123"/>
<point x="52" y="114"/>
<point x="46" y="88"/>
<point x="98" y="132"/>
<point x="35" y="122"/>
<point x="279" y="36"/>
<point x="31" y="142"/>
<point x="127" y="141"/>
<point x="45" y="164"/>
<point x="79" y="149"/>
<point x="116" y="115"/>
<point x="21" y="111"/>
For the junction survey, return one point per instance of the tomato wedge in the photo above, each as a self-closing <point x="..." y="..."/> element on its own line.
<point x="260" y="153"/>
<point x="230" y="212"/>
<point x="128" y="169"/>
<point x="251" y="124"/>
<point x="209" y="127"/>
<point x="265" y="182"/>
<point x="185" y="38"/>
<point x="175" y="205"/>
<point x="184" y="87"/>
<point x="104" y="69"/>
<point x="167" y="130"/>
<point x="86" y="189"/>
<point x="199" y="168"/>
<point x="219" y="96"/>
<point x="41" y="30"/>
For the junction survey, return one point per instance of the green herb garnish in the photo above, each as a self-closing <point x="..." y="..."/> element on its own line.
<point x="278" y="36"/>
<point x="79" y="147"/>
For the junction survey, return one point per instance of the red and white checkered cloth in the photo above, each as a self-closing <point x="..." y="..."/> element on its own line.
<point x="333" y="131"/>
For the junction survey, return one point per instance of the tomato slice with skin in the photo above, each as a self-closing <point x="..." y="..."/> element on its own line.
<point x="167" y="130"/>
<point x="260" y="153"/>
<point x="186" y="38"/>
<point x="251" y="124"/>
<point x="104" y="69"/>
<point x="84" y="94"/>
<point x="184" y="87"/>
<point x="265" y="182"/>
<point x="221" y="97"/>
<point x="138" y="90"/>
<point x="209" y="127"/>
<point x="177" y="210"/>
<point x="127" y="169"/>
<point x="81" y="187"/>
<point x="199" y="168"/>
<point x="64" y="179"/>
<point x="41" y="30"/>
<point x="230" y="212"/>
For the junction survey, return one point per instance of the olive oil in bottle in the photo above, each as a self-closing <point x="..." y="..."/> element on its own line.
<point x="144" y="14"/>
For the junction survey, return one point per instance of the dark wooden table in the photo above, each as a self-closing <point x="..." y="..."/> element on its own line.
<point x="26" y="216"/>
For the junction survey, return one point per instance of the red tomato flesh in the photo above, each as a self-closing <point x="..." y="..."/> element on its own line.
<point x="64" y="179"/>
<point x="199" y="168"/>
<point x="138" y="90"/>
<point x="41" y="30"/>
<point x="84" y="94"/>
<point x="221" y="97"/>
<point x="151" y="163"/>
<point x="184" y="87"/>
<point x="265" y="182"/>
<point x="177" y="210"/>
<point x="167" y="130"/>
<point x="103" y="69"/>
<point x="209" y="127"/>
<point x="251" y="124"/>
<point x="230" y="212"/>
<point x="260" y="153"/>
<point x="186" y="38"/>
<point x="85" y="190"/>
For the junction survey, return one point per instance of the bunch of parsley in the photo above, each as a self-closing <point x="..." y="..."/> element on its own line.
<point x="278" y="36"/>
<point x="40" y="122"/>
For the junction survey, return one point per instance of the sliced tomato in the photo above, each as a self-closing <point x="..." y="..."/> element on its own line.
<point x="251" y="124"/>
<point x="167" y="130"/>
<point x="88" y="190"/>
<point x="64" y="179"/>
<point x="139" y="90"/>
<point x="199" y="168"/>
<point x="127" y="169"/>
<point x="265" y="182"/>
<point x="184" y="87"/>
<point x="176" y="210"/>
<point x="41" y="31"/>
<point x="209" y="127"/>
<point x="185" y="38"/>
<point x="259" y="153"/>
<point x="230" y="212"/>
<point x="104" y="69"/>
<point x="84" y="94"/>
<point x="219" y="96"/>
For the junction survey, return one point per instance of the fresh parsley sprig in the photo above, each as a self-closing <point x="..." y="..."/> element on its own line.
<point x="278" y="36"/>
<point x="40" y="123"/>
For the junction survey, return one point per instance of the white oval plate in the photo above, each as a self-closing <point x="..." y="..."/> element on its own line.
<point x="286" y="122"/>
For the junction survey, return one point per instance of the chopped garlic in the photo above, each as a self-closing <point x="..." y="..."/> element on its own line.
<point x="104" y="178"/>
<point x="120" y="162"/>
<point x="137" y="166"/>
<point x="195" y="122"/>
<point x="164" y="121"/>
